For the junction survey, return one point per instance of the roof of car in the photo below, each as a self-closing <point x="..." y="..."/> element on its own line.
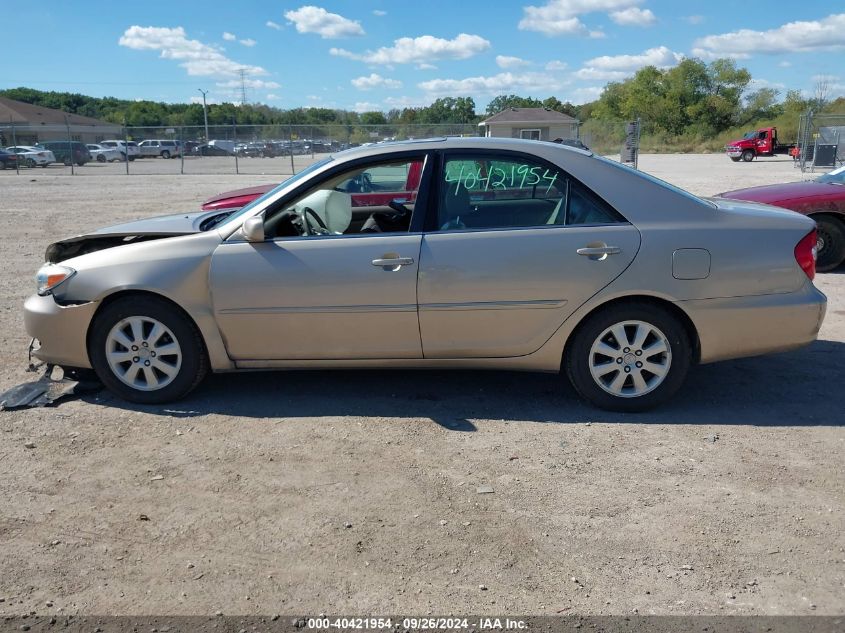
<point x="458" y="142"/>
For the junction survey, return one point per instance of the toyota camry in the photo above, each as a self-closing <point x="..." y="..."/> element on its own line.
<point x="480" y="253"/>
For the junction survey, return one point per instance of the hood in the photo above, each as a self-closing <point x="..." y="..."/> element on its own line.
<point x="740" y="142"/>
<point x="784" y="193"/>
<point x="133" y="232"/>
<point x="237" y="198"/>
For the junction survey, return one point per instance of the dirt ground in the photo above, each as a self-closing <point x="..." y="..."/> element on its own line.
<point x="358" y="492"/>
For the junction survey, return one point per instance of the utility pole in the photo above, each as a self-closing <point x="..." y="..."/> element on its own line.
<point x="204" y="112"/>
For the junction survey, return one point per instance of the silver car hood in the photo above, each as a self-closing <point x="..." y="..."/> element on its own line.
<point x="133" y="232"/>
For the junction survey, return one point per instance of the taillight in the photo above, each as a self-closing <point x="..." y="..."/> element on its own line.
<point x="805" y="254"/>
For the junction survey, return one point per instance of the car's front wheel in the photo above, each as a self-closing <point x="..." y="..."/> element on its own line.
<point x="747" y="156"/>
<point x="629" y="357"/>
<point x="146" y="350"/>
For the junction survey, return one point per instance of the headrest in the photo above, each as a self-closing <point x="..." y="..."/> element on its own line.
<point x="333" y="207"/>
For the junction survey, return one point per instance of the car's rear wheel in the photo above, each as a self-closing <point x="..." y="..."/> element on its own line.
<point x="30" y="162"/>
<point x="146" y="350"/>
<point x="165" y="154"/>
<point x="748" y="156"/>
<point x="830" y="243"/>
<point x="629" y="357"/>
<point x="101" y="158"/>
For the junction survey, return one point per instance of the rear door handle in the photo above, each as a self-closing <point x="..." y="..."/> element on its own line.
<point x="597" y="251"/>
<point x="389" y="263"/>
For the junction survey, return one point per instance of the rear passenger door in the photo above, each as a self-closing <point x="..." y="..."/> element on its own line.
<point x="504" y="262"/>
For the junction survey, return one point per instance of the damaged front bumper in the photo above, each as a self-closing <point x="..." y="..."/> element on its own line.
<point x="60" y="331"/>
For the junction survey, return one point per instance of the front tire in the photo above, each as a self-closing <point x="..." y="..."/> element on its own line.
<point x="146" y="350"/>
<point x="629" y="357"/>
<point x="734" y="158"/>
<point x="830" y="244"/>
<point x="165" y="154"/>
<point x="747" y="156"/>
<point x="30" y="163"/>
<point x="101" y="158"/>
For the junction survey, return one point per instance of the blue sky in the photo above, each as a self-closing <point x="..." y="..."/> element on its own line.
<point x="381" y="54"/>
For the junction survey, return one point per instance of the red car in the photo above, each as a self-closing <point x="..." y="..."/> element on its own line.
<point x="822" y="199"/>
<point x="364" y="192"/>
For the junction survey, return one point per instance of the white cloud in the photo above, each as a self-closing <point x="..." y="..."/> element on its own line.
<point x="229" y="37"/>
<point x="506" y="61"/>
<point x="366" y="106"/>
<point x="785" y="64"/>
<point x="827" y="34"/>
<point x="502" y="83"/>
<point x="375" y="81"/>
<point x="197" y="58"/>
<point x="426" y="67"/>
<point x="272" y="97"/>
<point x="311" y="19"/>
<point x="612" y="67"/>
<point x="585" y="94"/>
<point x="404" y="102"/>
<point x="274" y="25"/>
<point x="693" y="19"/>
<point x="633" y="16"/>
<point x="556" y="65"/>
<point x="379" y="12"/>
<point x="258" y="84"/>
<point x="248" y="42"/>
<point x="314" y="98"/>
<point x="560" y="17"/>
<point x="418" y="50"/>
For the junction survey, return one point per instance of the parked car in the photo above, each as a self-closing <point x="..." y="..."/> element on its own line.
<point x="210" y="150"/>
<point x="32" y="156"/>
<point x="125" y="148"/>
<point x="508" y="254"/>
<point x="160" y="147"/>
<point x="67" y="152"/>
<point x="8" y="160"/>
<point x="822" y="199"/>
<point x="257" y="150"/>
<point x="103" y="154"/>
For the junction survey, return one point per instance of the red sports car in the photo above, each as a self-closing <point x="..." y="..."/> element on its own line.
<point x="822" y="199"/>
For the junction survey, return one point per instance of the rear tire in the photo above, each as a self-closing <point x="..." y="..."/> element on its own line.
<point x="831" y="243"/>
<point x="165" y="154"/>
<point x="163" y="358"/>
<point x="30" y="163"/>
<point x="637" y="373"/>
<point x="101" y="158"/>
<point x="748" y="156"/>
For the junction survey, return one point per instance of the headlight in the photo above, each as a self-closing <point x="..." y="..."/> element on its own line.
<point x="50" y="276"/>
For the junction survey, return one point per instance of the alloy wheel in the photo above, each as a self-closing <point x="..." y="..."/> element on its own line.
<point x="630" y="359"/>
<point x="143" y="353"/>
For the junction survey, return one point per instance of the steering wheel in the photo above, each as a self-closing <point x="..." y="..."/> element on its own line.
<point x="400" y="208"/>
<point x="308" y="228"/>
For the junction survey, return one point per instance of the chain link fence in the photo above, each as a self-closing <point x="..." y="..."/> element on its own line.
<point x="821" y="141"/>
<point x="217" y="149"/>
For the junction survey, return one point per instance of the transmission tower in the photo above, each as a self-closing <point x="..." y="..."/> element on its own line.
<point x="242" y="73"/>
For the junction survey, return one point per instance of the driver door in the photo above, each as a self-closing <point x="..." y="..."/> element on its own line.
<point x="336" y="294"/>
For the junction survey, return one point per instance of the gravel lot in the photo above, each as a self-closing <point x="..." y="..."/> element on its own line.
<point x="358" y="492"/>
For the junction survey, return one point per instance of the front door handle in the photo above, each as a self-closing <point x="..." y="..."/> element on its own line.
<point x="594" y="251"/>
<point x="393" y="263"/>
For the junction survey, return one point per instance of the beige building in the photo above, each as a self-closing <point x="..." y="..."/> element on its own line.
<point x="541" y="124"/>
<point x="34" y="124"/>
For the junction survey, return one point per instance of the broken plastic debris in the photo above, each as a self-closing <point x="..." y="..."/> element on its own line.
<point x="47" y="390"/>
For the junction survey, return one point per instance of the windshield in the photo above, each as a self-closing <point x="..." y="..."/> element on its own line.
<point x="293" y="179"/>
<point x="837" y="176"/>
<point x="750" y="135"/>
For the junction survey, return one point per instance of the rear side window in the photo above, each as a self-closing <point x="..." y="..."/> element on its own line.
<point x="489" y="191"/>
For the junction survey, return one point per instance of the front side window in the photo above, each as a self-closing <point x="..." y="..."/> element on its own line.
<point x="481" y="192"/>
<point x="378" y="198"/>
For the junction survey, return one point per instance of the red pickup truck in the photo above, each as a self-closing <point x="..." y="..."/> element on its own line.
<point x="762" y="142"/>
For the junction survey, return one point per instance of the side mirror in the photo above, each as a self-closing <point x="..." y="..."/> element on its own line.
<point x="253" y="229"/>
